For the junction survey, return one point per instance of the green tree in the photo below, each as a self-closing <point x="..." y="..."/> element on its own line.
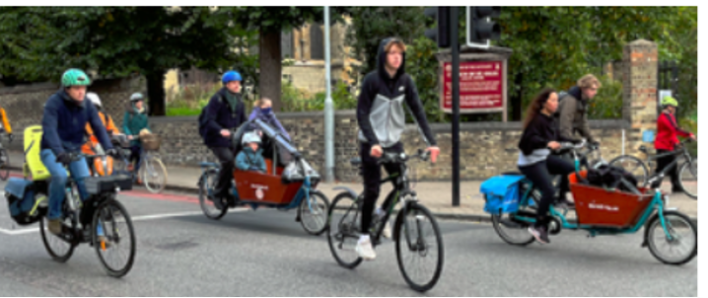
<point x="372" y="24"/>
<point x="553" y="46"/>
<point x="39" y="43"/>
<point x="269" y="22"/>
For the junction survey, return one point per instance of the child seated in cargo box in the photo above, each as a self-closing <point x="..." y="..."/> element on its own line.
<point x="251" y="158"/>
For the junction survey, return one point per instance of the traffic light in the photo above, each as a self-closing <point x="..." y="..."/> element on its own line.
<point x="480" y="27"/>
<point x="441" y="34"/>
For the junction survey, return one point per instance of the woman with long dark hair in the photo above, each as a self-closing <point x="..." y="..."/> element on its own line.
<point x="536" y="162"/>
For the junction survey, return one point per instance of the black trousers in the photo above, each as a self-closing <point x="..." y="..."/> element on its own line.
<point x="661" y="164"/>
<point x="226" y="158"/>
<point x="371" y="174"/>
<point x="540" y="174"/>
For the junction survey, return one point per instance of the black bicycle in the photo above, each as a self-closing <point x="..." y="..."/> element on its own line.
<point x="688" y="171"/>
<point x="416" y="232"/>
<point x="4" y="158"/>
<point x="100" y="220"/>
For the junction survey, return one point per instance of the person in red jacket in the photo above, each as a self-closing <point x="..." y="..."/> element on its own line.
<point x="666" y="141"/>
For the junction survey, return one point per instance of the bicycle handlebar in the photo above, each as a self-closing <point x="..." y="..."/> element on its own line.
<point x="402" y="157"/>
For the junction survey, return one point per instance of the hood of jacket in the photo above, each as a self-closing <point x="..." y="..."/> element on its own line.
<point x="381" y="62"/>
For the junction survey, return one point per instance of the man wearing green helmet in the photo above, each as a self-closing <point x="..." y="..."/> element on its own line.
<point x="66" y="114"/>
<point x="666" y="140"/>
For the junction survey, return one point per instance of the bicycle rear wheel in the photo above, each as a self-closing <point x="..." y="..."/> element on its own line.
<point x="59" y="249"/>
<point x="206" y="185"/>
<point x="4" y="164"/>
<point x="154" y="174"/>
<point x="419" y="247"/>
<point x="688" y="177"/>
<point x="343" y="230"/>
<point x="634" y="166"/>
<point x="117" y="251"/>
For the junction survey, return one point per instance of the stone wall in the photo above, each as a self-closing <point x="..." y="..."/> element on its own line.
<point x="486" y="149"/>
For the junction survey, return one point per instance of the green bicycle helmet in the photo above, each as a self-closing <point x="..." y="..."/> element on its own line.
<point x="75" y="77"/>
<point x="669" y="101"/>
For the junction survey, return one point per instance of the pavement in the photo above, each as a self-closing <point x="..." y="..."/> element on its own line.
<point x="437" y="196"/>
<point x="266" y="253"/>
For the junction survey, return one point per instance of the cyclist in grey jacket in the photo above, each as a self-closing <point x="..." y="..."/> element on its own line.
<point x="382" y="119"/>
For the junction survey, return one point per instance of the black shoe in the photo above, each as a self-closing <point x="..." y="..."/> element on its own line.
<point x="540" y="234"/>
<point x="677" y="190"/>
<point x="218" y="200"/>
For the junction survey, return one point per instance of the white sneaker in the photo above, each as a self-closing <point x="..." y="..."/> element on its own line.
<point x="365" y="250"/>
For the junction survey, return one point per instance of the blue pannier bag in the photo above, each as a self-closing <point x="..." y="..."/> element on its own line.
<point x="501" y="194"/>
<point x="25" y="207"/>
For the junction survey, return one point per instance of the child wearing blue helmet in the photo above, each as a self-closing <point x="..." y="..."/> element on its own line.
<point x="224" y="113"/>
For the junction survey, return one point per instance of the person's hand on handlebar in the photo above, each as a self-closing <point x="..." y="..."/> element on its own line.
<point x="225" y="133"/>
<point x="64" y="158"/>
<point x="554" y="145"/>
<point x="434" y="152"/>
<point x="376" y="151"/>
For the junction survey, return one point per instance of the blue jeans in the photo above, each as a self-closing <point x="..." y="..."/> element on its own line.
<point x="57" y="185"/>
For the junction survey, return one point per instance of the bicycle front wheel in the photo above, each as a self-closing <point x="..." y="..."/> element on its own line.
<point x="632" y="165"/>
<point x="676" y="244"/>
<point x="4" y="164"/>
<point x="113" y="238"/>
<point x="313" y="213"/>
<point x="688" y="177"/>
<point x="419" y="247"/>
<point x="343" y="230"/>
<point x="154" y="174"/>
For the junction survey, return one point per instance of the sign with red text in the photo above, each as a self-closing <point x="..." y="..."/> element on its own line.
<point x="482" y="87"/>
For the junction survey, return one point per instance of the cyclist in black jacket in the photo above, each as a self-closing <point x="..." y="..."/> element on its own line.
<point x="382" y="119"/>
<point x="536" y="162"/>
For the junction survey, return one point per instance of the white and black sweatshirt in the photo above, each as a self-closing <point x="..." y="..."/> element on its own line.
<point x="380" y="111"/>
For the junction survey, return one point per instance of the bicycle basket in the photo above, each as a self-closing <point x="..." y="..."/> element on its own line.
<point x="150" y="142"/>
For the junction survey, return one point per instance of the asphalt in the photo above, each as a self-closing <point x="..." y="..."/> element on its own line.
<point x="266" y="253"/>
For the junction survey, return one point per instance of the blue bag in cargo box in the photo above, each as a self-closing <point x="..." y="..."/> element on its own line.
<point x="501" y="193"/>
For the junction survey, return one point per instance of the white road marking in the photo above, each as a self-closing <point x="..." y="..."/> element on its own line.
<point x="136" y="218"/>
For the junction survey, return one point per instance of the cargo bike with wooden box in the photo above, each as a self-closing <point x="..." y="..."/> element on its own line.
<point x="671" y="236"/>
<point x="100" y="220"/>
<point x="292" y="186"/>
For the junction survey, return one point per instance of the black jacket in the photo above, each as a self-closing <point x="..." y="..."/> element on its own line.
<point x="220" y="116"/>
<point x="541" y="130"/>
<point x="380" y="113"/>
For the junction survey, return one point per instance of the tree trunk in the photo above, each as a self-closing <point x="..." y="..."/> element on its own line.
<point x="156" y="93"/>
<point x="271" y="67"/>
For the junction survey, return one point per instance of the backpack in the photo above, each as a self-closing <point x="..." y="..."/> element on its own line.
<point x="612" y="177"/>
<point x="203" y="121"/>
